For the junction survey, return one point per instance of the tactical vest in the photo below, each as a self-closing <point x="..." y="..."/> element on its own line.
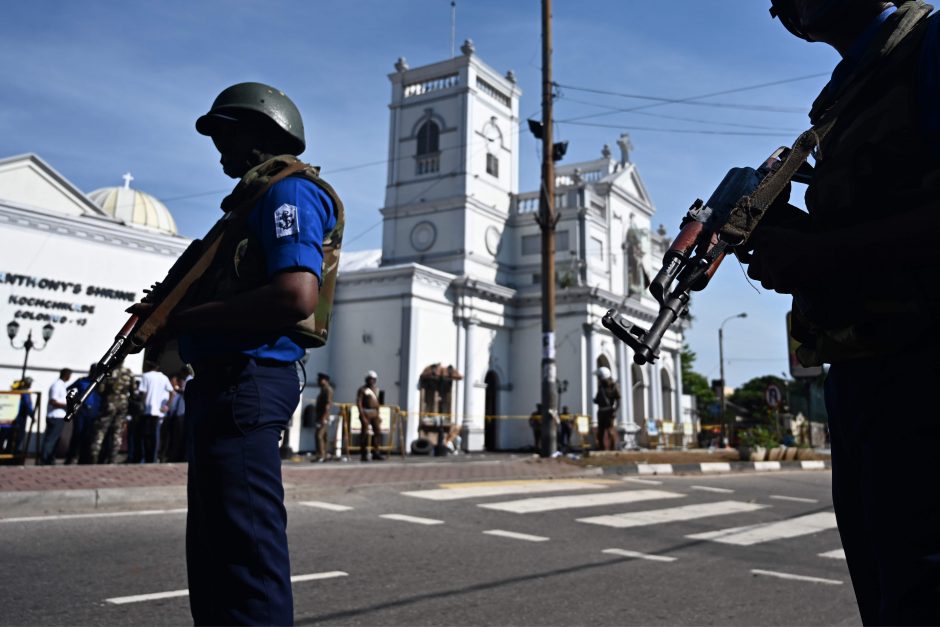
<point x="239" y="265"/>
<point x="874" y="163"/>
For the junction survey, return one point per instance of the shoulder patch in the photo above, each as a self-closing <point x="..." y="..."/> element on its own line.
<point x="285" y="221"/>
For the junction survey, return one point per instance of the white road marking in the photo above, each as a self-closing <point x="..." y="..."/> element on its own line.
<point x="515" y="536"/>
<point x="766" y="465"/>
<point x="672" y="514"/>
<point x="715" y="467"/>
<point x="770" y="573"/>
<point x="838" y="554"/>
<point x="813" y="465"/>
<point x="156" y="596"/>
<point x="412" y="519"/>
<point x="551" y="503"/>
<point x="144" y="512"/>
<point x="503" y="489"/>
<point x="780" y="530"/>
<point x="643" y="481"/>
<point x="654" y="469"/>
<point x="333" y="507"/>
<point x="795" y="499"/>
<point x="639" y="556"/>
<point x="706" y="488"/>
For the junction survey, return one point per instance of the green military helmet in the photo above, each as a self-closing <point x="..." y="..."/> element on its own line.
<point x="256" y="98"/>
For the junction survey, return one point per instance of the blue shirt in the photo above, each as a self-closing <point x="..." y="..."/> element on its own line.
<point x="289" y="221"/>
<point x="928" y="73"/>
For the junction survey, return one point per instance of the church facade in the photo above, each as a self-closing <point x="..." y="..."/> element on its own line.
<point x="456" y="286"/>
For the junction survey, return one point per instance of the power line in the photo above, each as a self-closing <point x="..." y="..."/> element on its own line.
<point x="683" y="119"/>
<point x="692" y="100"/>
<point x="680" y="131"/>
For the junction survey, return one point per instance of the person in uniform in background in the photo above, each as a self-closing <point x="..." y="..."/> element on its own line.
<point x="55" y="416"/>
<point x="367" y="400"/>
<point x="244" y="326"/>
<point x="535" y="423"/>
<point x="83" y="423"/>
<point x="115" y="395"/>
<point x="862" y="267"/>
<point x="607" y="400"/>
<point x="323" y="407"/>
<point x="17" y="431"/>
<point x="157" y="391"/>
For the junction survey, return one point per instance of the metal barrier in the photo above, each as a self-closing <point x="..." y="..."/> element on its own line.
<point x="390" y="423"/>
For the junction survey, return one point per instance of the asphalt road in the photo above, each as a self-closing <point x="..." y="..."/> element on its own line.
<point x="659" y="550"/>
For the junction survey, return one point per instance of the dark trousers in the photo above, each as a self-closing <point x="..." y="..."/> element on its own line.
<point x="54" y="427"/>
<point x="236" y="527"/>
<point x="885" y="437"/>
<point x="145" y="439"/>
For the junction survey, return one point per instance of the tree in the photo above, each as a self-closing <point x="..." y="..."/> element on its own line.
<point x="696" y="384"/>
<point x="750" y="395"/>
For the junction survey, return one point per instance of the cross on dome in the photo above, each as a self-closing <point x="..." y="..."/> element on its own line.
<point x="127" y="180"/>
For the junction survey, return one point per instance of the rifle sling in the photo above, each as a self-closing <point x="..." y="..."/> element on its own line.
<point x="211" y="244"/>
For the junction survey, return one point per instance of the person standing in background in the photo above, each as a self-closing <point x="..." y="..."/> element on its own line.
<point x="55" y="416"/>
<point x="157" y="391"/>
<point x="323" y="407"/>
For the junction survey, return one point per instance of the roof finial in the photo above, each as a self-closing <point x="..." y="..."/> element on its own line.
<point x="127" y="180"/>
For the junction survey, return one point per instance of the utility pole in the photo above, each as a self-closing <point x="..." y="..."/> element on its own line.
<point x="547" y="221"/>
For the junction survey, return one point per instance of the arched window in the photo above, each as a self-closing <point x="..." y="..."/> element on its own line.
<point x="429" y="138"/>
<point x="428" y="159"/>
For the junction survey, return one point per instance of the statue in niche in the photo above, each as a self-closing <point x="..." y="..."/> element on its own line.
<point x="636" y="248"/>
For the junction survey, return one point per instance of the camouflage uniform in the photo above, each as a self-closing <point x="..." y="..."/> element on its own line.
<point x="115" y="393"/>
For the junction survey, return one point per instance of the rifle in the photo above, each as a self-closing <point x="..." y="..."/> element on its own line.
<point x="708" y="233"/>
<point x="166" y="295"/>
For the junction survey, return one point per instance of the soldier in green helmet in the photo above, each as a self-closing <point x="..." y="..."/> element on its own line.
<point x="263" y="301"/>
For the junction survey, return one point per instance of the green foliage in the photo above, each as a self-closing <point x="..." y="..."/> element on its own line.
<point x="750" y="396"/>
<point x="758" y="436"/>
<point x="694" y="383"/>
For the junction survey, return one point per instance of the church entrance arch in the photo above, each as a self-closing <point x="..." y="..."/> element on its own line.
<point x="491" y="409"/>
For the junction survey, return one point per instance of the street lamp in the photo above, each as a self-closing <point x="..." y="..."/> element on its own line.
<point x="721" y="357"/>
<point x="13" y="327"/>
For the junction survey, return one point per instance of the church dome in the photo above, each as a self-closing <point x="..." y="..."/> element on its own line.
<point x="134" y="207"/>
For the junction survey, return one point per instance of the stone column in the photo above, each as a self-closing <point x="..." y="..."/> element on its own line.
<point x="473" y="420"/>
<point x="591" y="382"/>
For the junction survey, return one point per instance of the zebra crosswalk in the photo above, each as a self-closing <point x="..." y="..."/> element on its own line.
<point x="641" y="506"/>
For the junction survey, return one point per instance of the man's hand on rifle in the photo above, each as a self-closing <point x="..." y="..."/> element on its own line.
<point x="785" y="259"/>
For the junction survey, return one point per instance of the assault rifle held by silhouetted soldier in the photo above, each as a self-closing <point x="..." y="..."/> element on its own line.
<point x="710" y="231"/>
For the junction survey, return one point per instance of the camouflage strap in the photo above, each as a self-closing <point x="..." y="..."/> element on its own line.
<point x="750" y="209"/>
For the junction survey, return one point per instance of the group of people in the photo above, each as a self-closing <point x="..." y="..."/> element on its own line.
<point x="607" y="400"/>
<point x="149" y="409"/>
<point x="368" y="402"/>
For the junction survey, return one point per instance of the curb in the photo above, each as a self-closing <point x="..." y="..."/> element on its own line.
<point x="714" y="468"/>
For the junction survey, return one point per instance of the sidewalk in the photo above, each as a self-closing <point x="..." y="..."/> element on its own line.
<point x="36" y="490"/>
<point x="33" y="490"/>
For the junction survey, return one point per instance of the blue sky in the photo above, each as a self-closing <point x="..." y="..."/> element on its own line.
<point x="100" y="88"/>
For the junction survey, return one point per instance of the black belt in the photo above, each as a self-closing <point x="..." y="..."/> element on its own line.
<point x="228" y="366"/>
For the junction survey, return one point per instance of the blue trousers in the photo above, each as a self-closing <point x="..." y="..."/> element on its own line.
<point x="236" y="528"/>
<point x="885" y="434"/>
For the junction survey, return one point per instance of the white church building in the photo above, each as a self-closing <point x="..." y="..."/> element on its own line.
<point x="457" y="282"/>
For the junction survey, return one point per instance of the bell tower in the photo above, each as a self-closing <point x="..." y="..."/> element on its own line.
<point x="453" y="165"/>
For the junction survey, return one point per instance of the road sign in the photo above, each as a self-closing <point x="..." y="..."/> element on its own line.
<point x="773" y="396"/>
